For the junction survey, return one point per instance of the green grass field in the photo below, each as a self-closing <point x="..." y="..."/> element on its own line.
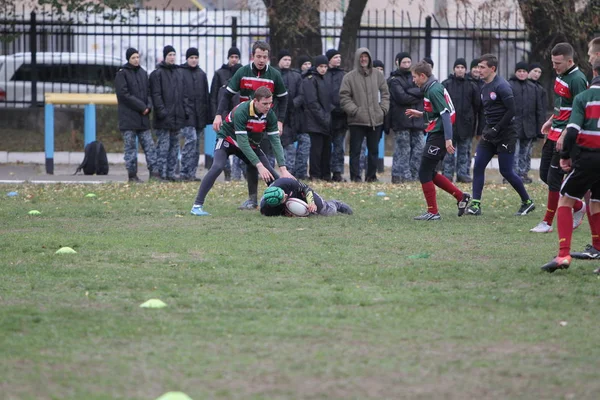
<point x="282" y="308"/>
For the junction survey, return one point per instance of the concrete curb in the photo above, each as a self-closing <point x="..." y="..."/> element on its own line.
<point x="75" y="158"/>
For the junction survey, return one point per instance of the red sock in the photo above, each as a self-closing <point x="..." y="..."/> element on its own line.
<point x="564" y="222"/>
<point x="595" y="228"/>
<point x="447" y="186"/>
<point x="552" y="205"/>
<point x="429" y="192"/>
<point x="578" y="205"/>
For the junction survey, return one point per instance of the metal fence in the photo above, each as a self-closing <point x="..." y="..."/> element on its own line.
<point x="80" y="52"/>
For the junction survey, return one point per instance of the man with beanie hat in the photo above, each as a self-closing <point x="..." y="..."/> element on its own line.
<point x="339" y="125"/>
<point x="529" y="118"/>
<point x="465" y="97"/>
<point x="292" y="80"/>
<point x="474" y="77"/>
<point x="220" y="79"/>
<point x="134" y="105"/>
<point x="171" y="107"/>
<point x="535" y="73"/>
<point x="246" y="81"/>
<point x="195" y="84"/>
<point x="409" y="138"/>
<point x="428" y="60"/>
<point x="303" y="148"/>
<point x="365" y="98"/>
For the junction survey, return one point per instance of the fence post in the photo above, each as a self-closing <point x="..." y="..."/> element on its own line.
<point x="428" y="35"/>
<point x="33" y="49"/>
<point x="89" y="123"/>
<point x="234" y="33"/>
<point x="49" y="137"/>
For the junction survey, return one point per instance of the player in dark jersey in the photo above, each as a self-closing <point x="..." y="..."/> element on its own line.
<point x="498" y="136"/>
<point x="273" y="201"/>
<point x="439" y="113"/>
<point x="241" y="135"/>
<point x="570" y="81"/>
<point x="582" y="142"/>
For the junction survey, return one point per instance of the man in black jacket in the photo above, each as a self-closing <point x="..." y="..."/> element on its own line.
<point x="171" y="107"/>
<point x="292" y="81"/>
<point x="133" y="96"/>
<point x="404" y="95"/>
<point x="339" y="124"/>
<point x="218" y="84"/>
<point x="475" y="77"/>
<point x="303" y="138"/>
<point x="529" y="118"/>
<point x="466" y="100"/>
<point x="195" y="84"/>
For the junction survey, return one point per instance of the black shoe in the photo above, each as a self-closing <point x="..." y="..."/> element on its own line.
<point x="428" y="217"/>
<point x="526" y="207"/>
<point x="372" y="179"/>
<point x="589" y="253"/>
<point x="173" y="179"/>
<point x="357" y="179"/>
<point x="557" y="263"/>
<point x="191" y="179"/>
<point x="464" y="179"/>
<point x="396" y="180"/>
<point x="337" y="177"/>
<point x="227" y="176"/>
<point x="135" y="179"/>
<point x="463" y="204"/>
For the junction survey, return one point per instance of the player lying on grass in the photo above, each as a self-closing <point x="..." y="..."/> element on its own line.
<point x="277" y="194"/>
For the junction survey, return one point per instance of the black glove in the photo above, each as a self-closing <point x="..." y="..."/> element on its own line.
<point x="490" y="133"/>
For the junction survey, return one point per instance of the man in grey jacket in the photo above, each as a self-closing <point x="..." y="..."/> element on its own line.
<point x="133" y="97"/>
<point x="365" y="98"/>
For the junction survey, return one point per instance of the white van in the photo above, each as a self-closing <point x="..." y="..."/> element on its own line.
<point x="56" y="72"/>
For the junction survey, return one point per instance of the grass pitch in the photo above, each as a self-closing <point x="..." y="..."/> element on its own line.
<point x="372" y="306"/>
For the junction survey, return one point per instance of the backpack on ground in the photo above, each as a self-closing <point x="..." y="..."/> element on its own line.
<point x="95" y="161"/>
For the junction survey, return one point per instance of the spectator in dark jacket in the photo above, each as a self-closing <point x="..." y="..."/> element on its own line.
<point x="170" y="110"/>
<point x="222" y="76"/>
<point x="317" y="114"/>
<point x="475" y="77"/>
<point x="466" y="99"/>
<point x="292" y="80"/>
<point x="133" y="96"/>
<point x="409" y="135"/>
<point x="303" y="138"/>
<point x="535" y="73"/>
<point x="339" y="124"/>
<point x="528" y="120"/>
<point x="195" y="84"/>
<point x="218" y="84"/>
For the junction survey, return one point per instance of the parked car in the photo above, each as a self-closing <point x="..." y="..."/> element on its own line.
<point x="56" y="72"/>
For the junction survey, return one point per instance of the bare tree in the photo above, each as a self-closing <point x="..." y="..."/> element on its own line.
<point x="350" y="28"/>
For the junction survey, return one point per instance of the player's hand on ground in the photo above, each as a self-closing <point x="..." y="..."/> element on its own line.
<point x="217" y="123"/>
<point x="449" y="147"/>
<point x="546" y="127"/>
<point x="412" y="113"/>
<point x="280" y="127"/>
<point x="565" y="164"/>
<point x="312" y="208"/>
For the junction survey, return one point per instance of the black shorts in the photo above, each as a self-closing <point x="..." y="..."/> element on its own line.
<point x="232" y="149"/>
<point x="584" y="176"/>
<point x="435" y="147"/>
<point x="499" y="146"/>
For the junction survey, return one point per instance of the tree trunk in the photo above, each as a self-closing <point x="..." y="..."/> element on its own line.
<point x="295" y="26"/>
<point x="350" y="28"/>
<point x="550" y="22"/>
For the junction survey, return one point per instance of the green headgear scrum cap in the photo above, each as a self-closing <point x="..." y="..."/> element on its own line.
<point x="273" y="196"/>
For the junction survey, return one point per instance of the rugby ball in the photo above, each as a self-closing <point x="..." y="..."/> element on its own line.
<point x="296" y="207"/>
